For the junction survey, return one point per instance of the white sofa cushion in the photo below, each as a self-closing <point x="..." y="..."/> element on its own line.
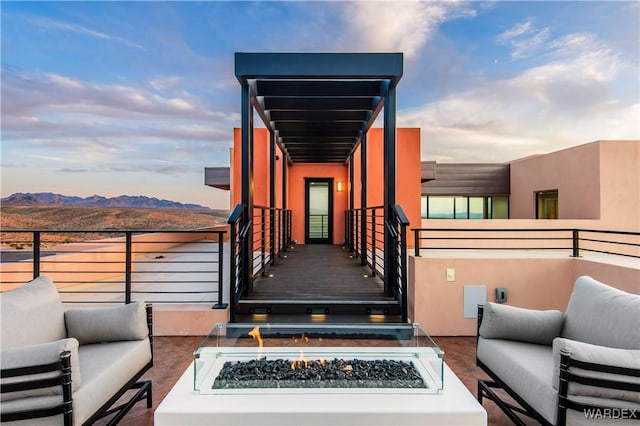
<point x="525" y="325"/>
<point x="31" y="314"/>
<point x="43" y="353"/>
<point x="106" y="367"/>
<point x="126" y="322"/>
<point x="602" y="315"/>
<point x="525" y="368"/>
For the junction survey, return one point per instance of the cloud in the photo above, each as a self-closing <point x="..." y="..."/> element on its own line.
<point x="37" y="102"/>
<point x="568" y="100"/>
<point x="524" y="39"/>
<point x="79" y="29"/>
<point x="404" y="26"/>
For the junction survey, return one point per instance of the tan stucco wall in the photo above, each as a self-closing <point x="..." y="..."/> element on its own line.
<point x="620" y="185"/>
<point x="574" y="172"/>
<point x="599" y="180"/>
<point x="535" y="283"/>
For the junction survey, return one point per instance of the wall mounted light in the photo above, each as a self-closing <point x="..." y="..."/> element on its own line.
<point x="339" y="186"/>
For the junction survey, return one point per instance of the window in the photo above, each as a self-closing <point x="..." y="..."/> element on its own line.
<point x="477" y="209"/>
<point x="547" y="204"/>
<point x="464" y="207"/>
<point x="499" y="207"/>
<point x="440" y="207"/>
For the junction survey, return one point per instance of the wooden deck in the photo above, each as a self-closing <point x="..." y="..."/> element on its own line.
<point x="318" y="272"/>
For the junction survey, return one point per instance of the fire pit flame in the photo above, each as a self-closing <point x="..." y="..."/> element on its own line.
<point x="255" y="333"/>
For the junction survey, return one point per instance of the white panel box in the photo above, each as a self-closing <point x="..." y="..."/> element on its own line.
<point x="474" y="295"/>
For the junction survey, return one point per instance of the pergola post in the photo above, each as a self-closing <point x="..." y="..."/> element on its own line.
<point x="363" y="199"/>
<point x="350" y="228"/>
<point x="389" y="167"/>
<point x="247" y="184"/>
<point x="272" y="196"/>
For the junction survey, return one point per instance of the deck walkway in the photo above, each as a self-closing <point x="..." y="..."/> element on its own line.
<point x="318" y="272"/>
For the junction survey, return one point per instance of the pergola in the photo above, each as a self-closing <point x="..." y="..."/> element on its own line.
<point x="318" y="107"/>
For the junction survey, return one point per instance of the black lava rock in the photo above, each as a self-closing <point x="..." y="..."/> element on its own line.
<point x="336" y="373"/>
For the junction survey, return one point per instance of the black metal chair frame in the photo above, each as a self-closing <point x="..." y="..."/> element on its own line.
<point x="64" y="380"/>
<point x="485" y="388"/>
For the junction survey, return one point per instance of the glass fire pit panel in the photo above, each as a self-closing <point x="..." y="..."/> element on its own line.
<point x="318" y="359"/>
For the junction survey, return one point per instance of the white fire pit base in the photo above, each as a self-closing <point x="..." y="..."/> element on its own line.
<point x="455" y="405"/>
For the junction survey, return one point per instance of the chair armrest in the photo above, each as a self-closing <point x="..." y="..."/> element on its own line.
<point x="514" y="323"/>
<point x="126" y="322"/>
<point x="36" y="370"/>
<point x="596" y="371"/>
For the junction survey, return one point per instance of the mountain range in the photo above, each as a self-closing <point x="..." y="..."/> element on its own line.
<point x="123" y="201"/>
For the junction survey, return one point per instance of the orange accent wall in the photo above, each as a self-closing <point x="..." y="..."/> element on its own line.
<point x="260" y="169"/>
<point x="408" y="189"/>
<point x="408" y="158"/>
<point x="297" y="173"/>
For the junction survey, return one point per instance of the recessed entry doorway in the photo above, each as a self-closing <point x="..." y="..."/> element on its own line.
<point x="318" y="202"/>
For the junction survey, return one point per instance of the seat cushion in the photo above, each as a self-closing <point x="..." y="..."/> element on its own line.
<point x="602" y="315"/>
<point x="105" y="368"/>
<point x="31" y="314"/>
<point x="526" y="368"/>
<point x="126" y="322"/>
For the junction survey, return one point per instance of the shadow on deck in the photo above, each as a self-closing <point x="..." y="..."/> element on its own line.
<point x="322" y="281"/>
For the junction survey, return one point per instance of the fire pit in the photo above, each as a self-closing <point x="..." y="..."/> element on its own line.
<point x="369" y="376"/>
<point x="406" y="360"/>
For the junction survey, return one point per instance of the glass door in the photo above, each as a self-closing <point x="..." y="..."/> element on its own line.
<point x="318" y="210"/>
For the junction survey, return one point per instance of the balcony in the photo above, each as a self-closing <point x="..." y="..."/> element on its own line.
<point x="186" y="275"/>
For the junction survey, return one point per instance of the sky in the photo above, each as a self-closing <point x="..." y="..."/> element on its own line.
<point x="137" y="98"/>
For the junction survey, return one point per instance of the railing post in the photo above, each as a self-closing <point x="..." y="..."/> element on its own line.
<point x="356" y="233"/>
<point x="36" y="254"/>
<point x="272" y="234"/>
<point x="220" y="304"/>
<point x="373" y="242"/>
<point x="289" y="220"/>
<point x="403" y="270"/>
<point x="127" y="267"/>
<point x="363" y="237"/>
<point x="262" y="233"/>
<point x="576" y="243"/>
<point x="416" y="242"/>
<point x="232" y="267"/>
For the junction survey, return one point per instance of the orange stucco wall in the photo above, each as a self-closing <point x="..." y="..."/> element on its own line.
<point x="260" y="169"/>
<point x="407" y="178"/>
<point x="408" y="160"/>
<point x="297" y="174"/>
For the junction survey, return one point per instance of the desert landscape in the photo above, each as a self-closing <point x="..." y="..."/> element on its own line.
<point x="73" y="218"/>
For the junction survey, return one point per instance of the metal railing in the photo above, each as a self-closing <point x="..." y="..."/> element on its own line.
<point x="239" y="228"/>
<point x="318" y="226"/>
<point x="573" y="241"/>
<point x="364" y="235"/>
<point x="365" y="232"/>
<point x="116" y="266"/>
<point x="255" y="244"/>
<point x="397" y="228"/>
